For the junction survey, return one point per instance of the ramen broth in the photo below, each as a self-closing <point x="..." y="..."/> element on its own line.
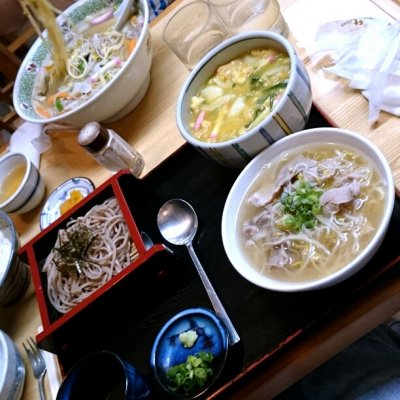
<point x="11" y="182"/>
<point x="240" y="95"/>
<point x="310" y="212"/>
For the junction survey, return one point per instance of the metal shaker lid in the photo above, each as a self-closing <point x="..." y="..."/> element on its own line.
<point x="93" y="136"/>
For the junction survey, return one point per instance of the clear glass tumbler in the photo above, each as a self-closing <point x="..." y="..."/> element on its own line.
<point x="192" y="31"/>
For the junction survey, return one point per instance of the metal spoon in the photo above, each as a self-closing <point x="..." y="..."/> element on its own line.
<point x="178" y="224"/>
<point x="122" y="13"/>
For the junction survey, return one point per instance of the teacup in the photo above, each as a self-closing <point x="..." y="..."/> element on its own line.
<point x="21" y="186"/>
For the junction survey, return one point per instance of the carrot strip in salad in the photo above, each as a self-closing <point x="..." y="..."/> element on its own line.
<point x="130" y="45"/>
<point x="42" y="112"/>
<point x="54" y="97"/>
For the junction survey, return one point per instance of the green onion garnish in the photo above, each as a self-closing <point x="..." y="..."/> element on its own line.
<point x="301" y="207"/>
<point x="192" y="374"/>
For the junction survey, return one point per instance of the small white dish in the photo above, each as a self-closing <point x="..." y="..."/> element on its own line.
<point x="51" y="209"/>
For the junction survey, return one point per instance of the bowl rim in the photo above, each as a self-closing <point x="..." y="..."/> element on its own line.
<point x="304" y="137"/>
<point x="92" y="99"/>
<point x="28" y="169"/>
<point x="83" y="362"/>
<point x="14" y="247"/>
<point x="217" y="321"/>
<point x="219" y="49"/>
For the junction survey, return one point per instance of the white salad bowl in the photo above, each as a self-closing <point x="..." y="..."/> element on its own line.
<point x="288" y="116"/>
<point x="240" y="192"/>
<point x="115" y="100"/>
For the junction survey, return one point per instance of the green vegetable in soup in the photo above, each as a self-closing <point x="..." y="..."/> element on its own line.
<point x="301" y="207"/>
<point x="240" y="95"/>
<point x="192" y="374"/>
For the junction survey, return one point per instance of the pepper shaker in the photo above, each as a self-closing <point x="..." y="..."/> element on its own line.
<point x="109" y="149"/>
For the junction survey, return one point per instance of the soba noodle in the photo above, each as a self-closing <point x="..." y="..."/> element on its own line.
<point x="110" y="251"/>
<point x="311" y="212"/>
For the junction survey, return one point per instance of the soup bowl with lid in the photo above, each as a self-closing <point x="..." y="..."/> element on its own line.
<point x="348" y="185"/>
<point x="289" y="114"/>
<point x="120" y="91"/>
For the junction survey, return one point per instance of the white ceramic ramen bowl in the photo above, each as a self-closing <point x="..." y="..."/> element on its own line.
<point x="115" y="100"/>
<point x="288" y="116"/>
<point x="239" y="192"/>
<point x="12" y="369"/>
<point x="30" y="191"/>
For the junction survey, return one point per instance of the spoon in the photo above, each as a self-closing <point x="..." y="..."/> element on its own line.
<point x="122" y="13"/>
<point x="148" y="242"/>
<point x="178" y="224"/>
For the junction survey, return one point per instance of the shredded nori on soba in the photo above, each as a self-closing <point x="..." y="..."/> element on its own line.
<point x="72" y="253"/>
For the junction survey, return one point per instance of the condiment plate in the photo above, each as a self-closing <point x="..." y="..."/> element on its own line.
<point x="51" y="209"/>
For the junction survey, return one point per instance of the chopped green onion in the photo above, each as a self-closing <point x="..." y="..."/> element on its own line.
<point x="192" y="374"/>
<point x="301" y="207"/>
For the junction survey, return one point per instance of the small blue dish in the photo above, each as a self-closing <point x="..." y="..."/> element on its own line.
<point x="168" y="349"/>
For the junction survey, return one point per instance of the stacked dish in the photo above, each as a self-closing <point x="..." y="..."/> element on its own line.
<point x="12" y="370"/>
<point x="14" y="274"/>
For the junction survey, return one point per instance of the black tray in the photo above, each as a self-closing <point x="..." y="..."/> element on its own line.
<point x="127" y="320"/>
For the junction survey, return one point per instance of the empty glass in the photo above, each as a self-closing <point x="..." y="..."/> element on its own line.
<point x="192" y="31"/>
<point x="245" y="15"/>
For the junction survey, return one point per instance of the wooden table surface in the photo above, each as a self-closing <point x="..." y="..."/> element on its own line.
<point x="152" y="130"/>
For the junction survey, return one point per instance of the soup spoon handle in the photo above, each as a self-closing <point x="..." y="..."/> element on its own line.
<point x="215" y="301"/>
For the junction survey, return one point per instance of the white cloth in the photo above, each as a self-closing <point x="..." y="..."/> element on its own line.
<point x="364" y="49"/>
<point x="31" y="140"/>
<point x="366" y="52"/>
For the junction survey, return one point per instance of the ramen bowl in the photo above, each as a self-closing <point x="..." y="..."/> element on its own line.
<point x="194" y="332"/>
<point x="22" y="187"/>
<point x="363" y="224"/>
<point x="118" y="97"/>
<point x="289" y="115"/>
<point x="14" y="274"/>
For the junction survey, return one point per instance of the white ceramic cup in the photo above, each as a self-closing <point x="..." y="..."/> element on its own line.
<point x="31" y="190"/>
<point x="192" y="31"/>
<point x="246" y="15"/>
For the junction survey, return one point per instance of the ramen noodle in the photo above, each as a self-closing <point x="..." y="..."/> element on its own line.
<point x="310" y="212"/>
<point x="73" y="277"/>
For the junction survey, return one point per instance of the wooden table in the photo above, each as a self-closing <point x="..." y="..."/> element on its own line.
<point x="151" y="129"/>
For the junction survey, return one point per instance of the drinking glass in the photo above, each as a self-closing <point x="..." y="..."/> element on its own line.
<point x="192" y="31"/>
<point x="245" y="15"/>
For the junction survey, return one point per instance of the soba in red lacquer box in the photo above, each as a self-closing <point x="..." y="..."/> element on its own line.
<point x="78" y="293"/>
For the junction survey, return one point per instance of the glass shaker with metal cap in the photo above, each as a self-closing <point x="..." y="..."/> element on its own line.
<point x="110" y="149"/>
